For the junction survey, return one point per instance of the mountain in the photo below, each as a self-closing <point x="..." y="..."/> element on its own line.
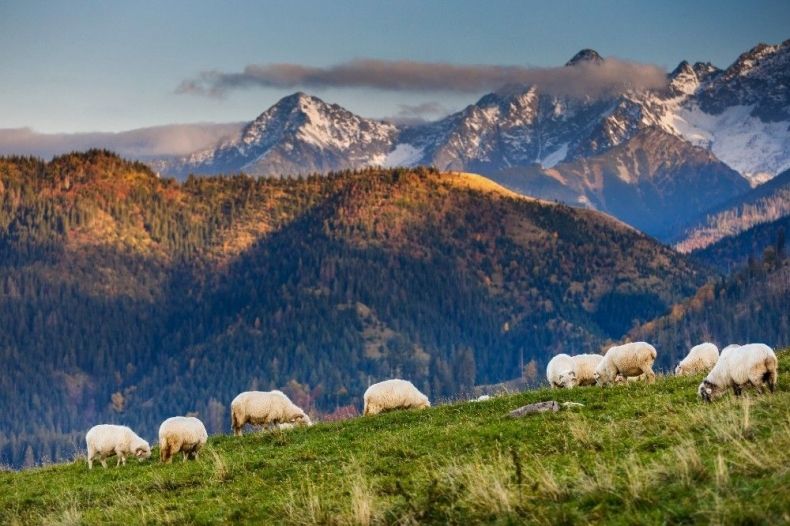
<point x="524" y="136"/>
<point x="127" y="298"/>
<point x="767" y="203"/>
<point x="298" y="135"/>
<point x="655" y="181"/>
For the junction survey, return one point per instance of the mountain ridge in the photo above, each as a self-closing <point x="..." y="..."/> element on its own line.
<point x="524" y="129"/>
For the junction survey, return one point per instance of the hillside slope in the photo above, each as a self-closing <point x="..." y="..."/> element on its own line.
<point x="734" y="251"/>
<point x="193" y="292"/>
<point x="635" y="453"/>
<point x="752" y="304"/>
<point x="768" y="202"/>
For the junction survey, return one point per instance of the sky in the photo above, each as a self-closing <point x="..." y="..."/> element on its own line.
<point x="85" y="66"/>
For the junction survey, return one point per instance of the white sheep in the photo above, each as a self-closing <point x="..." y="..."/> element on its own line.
<point x="106" y="440"/>
<point x="560" y="372"/>
<point x="186" y="434"/>
<point x="728" y="349"/>
<point x="752" y="364"/>
<point x="266" y="408"/>
<point x="630" y="359"/>
<point x="393" y="394"/>
<point x="700" y="359"/>
<point x="584" y="367"/>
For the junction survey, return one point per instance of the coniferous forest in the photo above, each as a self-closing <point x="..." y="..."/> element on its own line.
<point x="129" y="298"/>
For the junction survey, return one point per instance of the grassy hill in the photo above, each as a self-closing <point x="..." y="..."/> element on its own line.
<point x="633" y="454"/>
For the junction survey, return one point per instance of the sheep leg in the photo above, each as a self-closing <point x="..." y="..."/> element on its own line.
<point x="650" y="376"/>
<point x="90" y="462"/>
<point x="737" y="389"/>
<point x="103" y="462"/>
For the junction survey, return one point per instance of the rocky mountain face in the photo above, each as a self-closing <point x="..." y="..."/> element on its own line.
<point x="655" y="182"/>
<point x="717" y="122"/>
<point x="298" y="135"/>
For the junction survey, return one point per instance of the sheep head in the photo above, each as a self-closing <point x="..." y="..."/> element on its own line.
<point x="302" y="419"/>
<point x="142" y="452"/>
<point x="708" y="391"/>
<point x="568" y="379"/>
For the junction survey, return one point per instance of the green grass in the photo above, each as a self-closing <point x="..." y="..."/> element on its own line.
<point x="634" y="454"/>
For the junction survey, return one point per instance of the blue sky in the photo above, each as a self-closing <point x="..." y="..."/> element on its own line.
<point x="86" y="66"/>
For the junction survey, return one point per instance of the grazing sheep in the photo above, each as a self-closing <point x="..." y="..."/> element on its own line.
<point x="270" y="409"/>
<point x="561" y="373"/>
<point x="630" y="359"/>
<point x="186" y="434"/>
<point x="106" y="440"/>
<point x="584" y="367"/>
<point x="754" y="364"/>
<point x="700" y="359"/>
<point x="393" y="394"/>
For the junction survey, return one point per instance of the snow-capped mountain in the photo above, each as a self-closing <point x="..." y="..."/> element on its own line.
<point x="298" y="135"/>
<point x="552" y="146"/>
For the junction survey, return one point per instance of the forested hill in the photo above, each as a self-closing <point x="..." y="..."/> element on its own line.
<point x="751" y="305"/>
<point x="129" y="298"/>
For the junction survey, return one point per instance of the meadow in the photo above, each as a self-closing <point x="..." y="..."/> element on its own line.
<point x="632" y="454"/>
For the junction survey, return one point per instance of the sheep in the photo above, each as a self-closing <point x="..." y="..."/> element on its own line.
<point x="271" y="409"/>
<point x="106" y="440"/>
<point x="630" y="359"/>
<point x="753" y="364"/>
<point x="584" y="367"/>
<point x="186" y="434"/>
<point x="700" y="359"/>
<point x="728" y="349"/>
<point x="393" y="394"/>
<point x="560" y="372"/>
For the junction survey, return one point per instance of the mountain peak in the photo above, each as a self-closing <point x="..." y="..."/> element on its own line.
<point x="584" y="56"/>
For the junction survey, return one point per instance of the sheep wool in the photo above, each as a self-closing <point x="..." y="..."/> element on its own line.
<point x="630" y="359"/>
<point x="584" y="366"/>
<point x="393" y="394"/>
<point x="700" y="359"/>
<point x="106" y="440"/>
<point x="560" y="372"/>
<point x="747" y="365"/>
<point x="184" y="434"/>
<point x="265" y="408"/>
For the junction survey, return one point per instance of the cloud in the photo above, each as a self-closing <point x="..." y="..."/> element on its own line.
<point x="611" y="76"/>
<point x="142" y="143"/>
<point x="418" y="113"/>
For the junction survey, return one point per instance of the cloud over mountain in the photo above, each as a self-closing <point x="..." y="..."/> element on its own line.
<point x="157" y="141"/>
<point x="583" y="78"/>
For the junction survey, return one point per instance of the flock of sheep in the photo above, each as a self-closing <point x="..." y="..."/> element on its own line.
<point x="187" y="435"/>
<point x="737" y="366"/>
